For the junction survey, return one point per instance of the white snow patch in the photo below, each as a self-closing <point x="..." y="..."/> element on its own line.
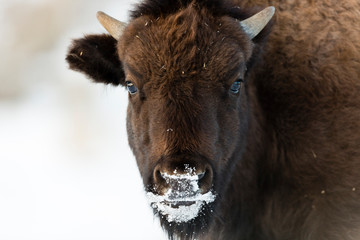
<point x="181" y="213"/>
<point x="183" y="201"/>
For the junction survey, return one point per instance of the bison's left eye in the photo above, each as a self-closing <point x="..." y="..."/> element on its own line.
<point x="236" y="86"/>
<point x="131" y="87"/>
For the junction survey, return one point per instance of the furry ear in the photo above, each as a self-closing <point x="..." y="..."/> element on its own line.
<point x="96" y="56"/>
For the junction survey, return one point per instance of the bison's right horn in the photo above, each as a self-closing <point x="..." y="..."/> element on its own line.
<point x="253" y="25"/>
<point x="112" y="25"/>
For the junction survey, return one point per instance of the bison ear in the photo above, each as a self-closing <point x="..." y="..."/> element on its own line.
<point x="96" y="56"/>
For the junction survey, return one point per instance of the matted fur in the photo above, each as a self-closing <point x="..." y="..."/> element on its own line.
<point x="285" y="151"/>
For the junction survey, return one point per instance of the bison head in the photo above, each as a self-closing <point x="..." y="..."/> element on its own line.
<point x="188" y="109"/>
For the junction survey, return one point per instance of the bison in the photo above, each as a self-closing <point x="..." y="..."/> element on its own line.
<point x="245" y="124"/>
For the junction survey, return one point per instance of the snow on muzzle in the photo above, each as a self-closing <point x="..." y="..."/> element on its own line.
<point x="183" y="200"/>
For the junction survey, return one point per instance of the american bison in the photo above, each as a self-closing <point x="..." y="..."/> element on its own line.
<point x="245" y="124"/>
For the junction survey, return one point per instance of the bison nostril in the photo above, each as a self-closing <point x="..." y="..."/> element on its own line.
<point x="158" y="177"/>
<point x="205" y="180"/>
<point x="201" y="175"/>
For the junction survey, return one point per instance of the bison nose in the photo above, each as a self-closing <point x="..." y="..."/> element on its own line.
<point x="186" y="178"/>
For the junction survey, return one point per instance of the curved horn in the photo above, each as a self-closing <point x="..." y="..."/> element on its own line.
<point x="112" y="25"/>
<point x="253" y="25"/>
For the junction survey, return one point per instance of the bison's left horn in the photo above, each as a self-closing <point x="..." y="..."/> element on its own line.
<point x="254" y="24"/>
<point x="112" y="25"/>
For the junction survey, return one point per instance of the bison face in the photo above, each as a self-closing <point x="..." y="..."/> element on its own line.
<point x="188" y="110"/>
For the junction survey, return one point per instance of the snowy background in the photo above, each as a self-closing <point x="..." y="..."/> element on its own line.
<point x="66" y="171"/>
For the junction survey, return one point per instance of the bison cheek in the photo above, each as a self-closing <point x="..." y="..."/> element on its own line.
<point x="143" y="141"/>
<point x="231" y="142"/>
<point x="134" y="132"/>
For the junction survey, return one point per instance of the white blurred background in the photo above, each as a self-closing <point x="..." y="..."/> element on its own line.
<point x="66" y="171"/>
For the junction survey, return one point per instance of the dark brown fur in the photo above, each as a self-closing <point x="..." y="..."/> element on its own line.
<point x="285" y="152"/>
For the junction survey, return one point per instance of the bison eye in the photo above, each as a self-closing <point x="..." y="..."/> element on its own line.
<point x="131" y="87"/>
<point x="236" y="86"/>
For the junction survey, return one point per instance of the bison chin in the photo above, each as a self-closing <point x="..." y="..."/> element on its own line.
<point x="189" y="228"/>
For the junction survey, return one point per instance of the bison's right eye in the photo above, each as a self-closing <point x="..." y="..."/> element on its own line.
<point x="131" y="87"/>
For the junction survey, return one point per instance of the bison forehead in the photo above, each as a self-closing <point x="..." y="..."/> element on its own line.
<point x="185" y="44"/>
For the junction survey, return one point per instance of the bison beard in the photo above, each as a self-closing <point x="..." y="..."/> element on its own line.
<point x="192" y="228"/>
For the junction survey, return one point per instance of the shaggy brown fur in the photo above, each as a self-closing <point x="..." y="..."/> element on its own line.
<point x="285" y="151"/>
